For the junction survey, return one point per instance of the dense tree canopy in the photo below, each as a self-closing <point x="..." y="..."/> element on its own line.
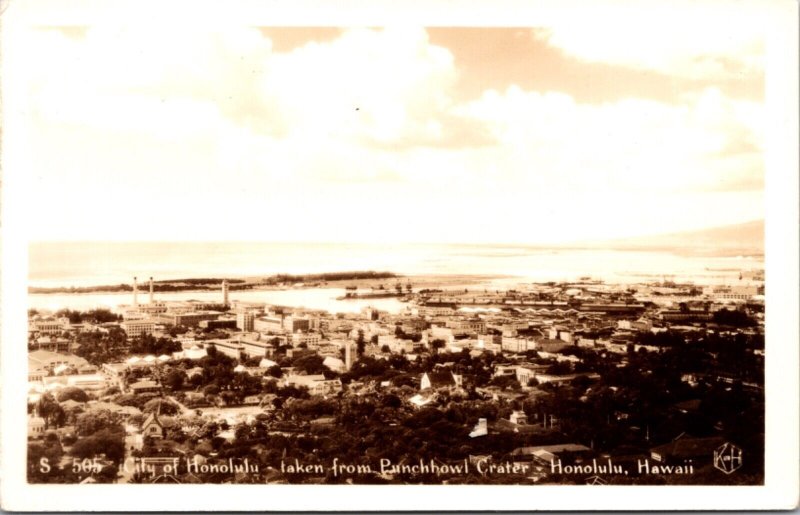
<point x="72" y="393"/>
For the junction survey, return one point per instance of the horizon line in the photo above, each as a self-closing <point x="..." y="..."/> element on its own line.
<point x="567" y="244"/>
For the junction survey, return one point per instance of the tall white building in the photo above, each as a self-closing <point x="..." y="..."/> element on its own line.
<point x="348" y="355"/>
<point x="245" y="321"/>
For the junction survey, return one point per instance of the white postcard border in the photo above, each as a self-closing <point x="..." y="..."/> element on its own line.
<point x="781" y="476"/>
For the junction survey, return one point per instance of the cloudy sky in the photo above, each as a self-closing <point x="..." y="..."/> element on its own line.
<point x="531" y="134"/>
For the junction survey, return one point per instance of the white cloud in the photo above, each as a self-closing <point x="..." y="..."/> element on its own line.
<point x="181" y="134"/>
<point x="629" y="145"/>
<point x="695" y="40"/>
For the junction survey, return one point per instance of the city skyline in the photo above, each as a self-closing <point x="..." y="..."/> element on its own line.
<point x="516" y="135"/>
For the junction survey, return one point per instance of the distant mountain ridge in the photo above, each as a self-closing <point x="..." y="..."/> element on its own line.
<point x="739" y="239"/>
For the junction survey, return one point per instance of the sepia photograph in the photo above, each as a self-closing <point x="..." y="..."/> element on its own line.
<point x="332" y="251"/>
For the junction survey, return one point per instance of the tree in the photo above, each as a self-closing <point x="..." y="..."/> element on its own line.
<point x="360" y="343"/>
<point x="733" y="318"/>
<point x="106" y="441"/>
<point x="505" y="382"/>
<point x="160" y="406"/>
<point x="398" y="362"/>
<point x="437" y="344"/>
<point x="311" y="364"/>
<point x="559" y="368"/>
<point x="72" y="393"/>
<point x="174" y="379"/>
<point x="211" y="389"/>
<point x="93" y="421"/>
<point x="241" y="431"/>
<point x="245" y="384"/>
<point x="50" y="411"/>
<point x="47" y="452"/>
<point x="228" y="397"/>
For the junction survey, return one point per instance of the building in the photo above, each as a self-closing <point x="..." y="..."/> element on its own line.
<point x="348" y="354"/>
<point x="549" y="345"/>
<point x="612" y="308"/>
<point x="227" y="323"/>
<point x="144" y="386"/>
<point x="307" y="339"/>
<point x="51" y="343"/>
<point x="193" y="353"/>
<point x="335" y="364"/>
<point x="545" y="455"/>
<point x="489" y="341"/>
<point x="135" y="294"/>
<point x="114" y="370"/>
<point x="193" y="318"/>
<point x="244" y="321"/>
<point x="134" y="328"/>
<point x="555" y="379"/>
<point x="734" y="293"/>
<point x="556" y="333"/>
<point x="152" y="427"/>
<point x="268" y="324"/>
<point x="635" y="325"/>
<point x="526" y="373"/>
<point x="316" y="384"/>
<point x="442" y="333"/>
<point x="689" y="315"/>
<point x="440" y="379"/>
<point x="146" y="310"/>
<point x="36" y="427"/>
<point x="406" y="346"/>
<point x="46" y="360"/>
<point x="293" y="324"/>
<point x="463" y="327"/>
<point x="437" y="309"/>
<point x="256" y="348"/>
<point x="49" y="325"/>
<point x="685" y="448"/>
<point x="82" y="381"/>
<point x="229" y="348"/>
<point x="512" y="344"/>
<point x="519" y="418"/>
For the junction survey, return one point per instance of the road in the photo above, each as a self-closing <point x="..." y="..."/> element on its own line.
<point x="131" y="434"/>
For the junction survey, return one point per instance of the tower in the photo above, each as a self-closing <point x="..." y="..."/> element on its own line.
<point x="135" y="294"/>
<point x="348" y="355"/>
<point x="151" y="290"/>
<point x="224" y="292"/>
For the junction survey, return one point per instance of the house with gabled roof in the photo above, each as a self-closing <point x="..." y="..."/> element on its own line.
<point x="152" y="427"/>
<point x="440" y="379"/>
<point x="685" y="447"/>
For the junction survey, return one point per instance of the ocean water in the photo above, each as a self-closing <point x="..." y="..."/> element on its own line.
<point x="312" y="298"/>
<point x="85" y="264"/>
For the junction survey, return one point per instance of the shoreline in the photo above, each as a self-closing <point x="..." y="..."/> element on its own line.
<point x="417" y="282"/>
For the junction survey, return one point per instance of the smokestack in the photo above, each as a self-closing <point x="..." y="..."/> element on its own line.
<point x="151" y="290"/>
<point x="348" y="355"/>
<point x="224" y="292"/>
<point x="135" y="294"/>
